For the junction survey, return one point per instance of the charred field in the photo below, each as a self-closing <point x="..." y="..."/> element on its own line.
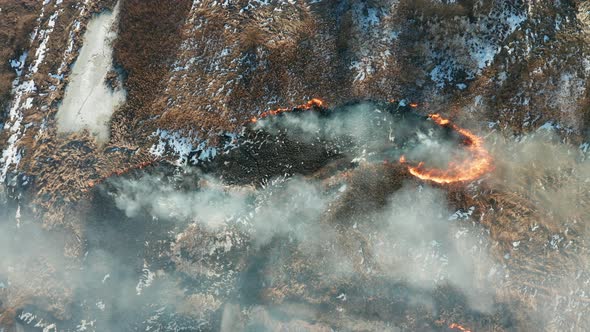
<point x="287" y="228"/>
<point x="121" y="246"/>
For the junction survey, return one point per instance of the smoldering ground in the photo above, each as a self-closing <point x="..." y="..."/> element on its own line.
<point x="384" y="130"/>
<point x="302" y="142"/>
<point x="169" y="250"/>
<point x="408" y="240"/>
<point x="414" y="239"/>
<point x="362" y="247"/>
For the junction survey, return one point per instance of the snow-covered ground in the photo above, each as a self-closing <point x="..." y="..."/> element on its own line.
<point x="88" y="102"/>
<point x="24" y="87"/>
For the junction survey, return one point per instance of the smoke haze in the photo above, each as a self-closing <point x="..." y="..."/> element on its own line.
<point x="168" y="251"/>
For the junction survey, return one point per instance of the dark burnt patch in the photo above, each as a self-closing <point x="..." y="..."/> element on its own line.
<point x="263" y="154"/>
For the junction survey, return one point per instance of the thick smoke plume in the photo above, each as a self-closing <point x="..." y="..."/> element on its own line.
<point x="413" y="239"/>
<point x="187" y="250"/>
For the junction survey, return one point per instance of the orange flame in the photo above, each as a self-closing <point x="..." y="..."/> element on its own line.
<point x="439" y="120"/>
<point x="119" y="172"/>
<point x="456" y="326"/>
<point x="315" y="102"/>
<point x="470" y="169"/>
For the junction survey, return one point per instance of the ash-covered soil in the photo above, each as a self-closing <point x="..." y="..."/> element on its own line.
<point x="239" y="243"/>
<point x="333" y="234"/>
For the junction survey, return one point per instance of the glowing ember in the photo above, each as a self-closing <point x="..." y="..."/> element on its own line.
<point x="120" y="172"/>
<point x="315" y="102"/>
<point x="458" y="327"/>
<point x="477" y="165"/>
<point x="470" y="169"/>
<point x="439" y="119"/>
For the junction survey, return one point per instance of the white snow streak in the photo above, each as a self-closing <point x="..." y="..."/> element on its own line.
<point x="11" y="155"/>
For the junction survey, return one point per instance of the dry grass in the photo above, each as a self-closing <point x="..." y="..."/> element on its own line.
<point x="303" y="62"/>
<point x="149" y="36"/>
<point x="433" y="8"/>
<point x="536" y="212"/>
<point x="16" y="23"/>
<point x="251" y="38"/>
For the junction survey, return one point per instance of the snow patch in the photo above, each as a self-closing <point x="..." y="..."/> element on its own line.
<point x="11" y="155"/>
<point x="172" y="141"/>
<point x="146" y="279"/>
<point x="187" y="149"/>
<point x="480" y="43"/>
<point x="88" y="103"/>
<point x="462" y="215"/>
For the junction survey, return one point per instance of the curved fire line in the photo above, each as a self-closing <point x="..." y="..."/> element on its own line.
<point x="467" y="170"/>
<point x="315" y="102"/>
<point x="455" y="326"/>
<point x="478" y="165"/>
<point x="119" y="172"/>
<point x="470" y="169"/>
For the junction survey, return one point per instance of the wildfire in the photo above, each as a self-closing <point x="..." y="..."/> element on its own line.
<point x="439" y="120"/>
<point x="119" y="172"/>
<point x="472" y="168"/>
<point x="456" y="326"/>
<point x="315" y="102"/>
<point x="477" y="165"/>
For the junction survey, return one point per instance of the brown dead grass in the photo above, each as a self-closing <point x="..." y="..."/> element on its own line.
<point x="149" y="36"/>
<point x="433" y="8"/>
<point x="528" y="204"/>
<point x="150" y="33"/>
<point x="16" y="23"/>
